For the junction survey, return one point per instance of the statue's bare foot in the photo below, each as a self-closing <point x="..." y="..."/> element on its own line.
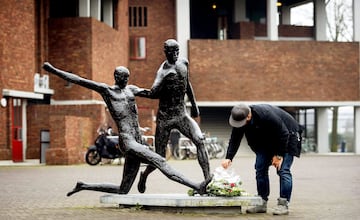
<point x="78" y="187"/>
<point x="142" y="183"/>
<point x="204" y="184"/>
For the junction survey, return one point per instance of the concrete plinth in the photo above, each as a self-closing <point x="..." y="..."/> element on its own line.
<point x="182" y="202"/>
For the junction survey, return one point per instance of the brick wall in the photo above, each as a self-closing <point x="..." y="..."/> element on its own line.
<point x="91" y="49"/>
<point x="39" y="118"/>
<point x="274" y="70"/>
<point x="17" y="59"/>
<point x="250" y="30"/>
<point x="88" y="48"/>
<point x="17" y="45"/>
<point x="296" y="31"/>
<point x="161" y="26"/>
<point x="243" y="30"/>
<point x="69" y="148"/>
<point x="5" y="150"/>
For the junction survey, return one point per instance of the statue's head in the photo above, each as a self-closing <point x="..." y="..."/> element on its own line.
<point x="171" y="49"/>
<point x="121" y="76"/>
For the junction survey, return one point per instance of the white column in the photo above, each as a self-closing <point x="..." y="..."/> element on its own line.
<point x="240" y="11"/>
<point x="95" y="9"/>
<point x="84" y="8"/>
<point x="322" y="131"/>
<point x="108" y="12"/>
<point x="320" y="20"/>
<point x="286" y="15"/>
<point x="183" y="25"/>
<point x="357" y="129"/>
<point x="356" y="20"/>
<point x="271" y="20"/>
<point x="24" y="127"/>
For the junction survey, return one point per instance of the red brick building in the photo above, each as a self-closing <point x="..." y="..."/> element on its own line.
<point x="233" y="58"/>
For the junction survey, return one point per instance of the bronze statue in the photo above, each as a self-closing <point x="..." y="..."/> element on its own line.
<point x="170" y="87"/>
<point x="120" y="100"/>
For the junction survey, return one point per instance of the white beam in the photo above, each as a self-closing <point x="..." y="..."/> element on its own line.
<point x="320" y="20"/>
<point x="305" y="104"/>
<point x="77" y="102"/>
<point x="272" y="20"/>
<point x="357" y="130"/>
<point x="322" y="131"/>
<point x="95" y="9"/>
<point x="84" y="8"/>
<point x="356" y="20"/>
<point x="240" y="11"/>
<point x="108" y="12"/>
<point x="286" y="15"/>
<point x="183" y="26"/>
<point x="24" y="128"/>
<point x="22" y="94"/>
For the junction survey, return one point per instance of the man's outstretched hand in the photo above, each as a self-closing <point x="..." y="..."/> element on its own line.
<point x="48" y="67"/>
<point x="226" y="163"/>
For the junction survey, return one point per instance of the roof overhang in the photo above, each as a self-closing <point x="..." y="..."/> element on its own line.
<point x="21" y="94"/>
<point x="300" y="104"/>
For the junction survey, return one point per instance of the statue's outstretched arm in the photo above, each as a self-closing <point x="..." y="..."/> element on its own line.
<point x="190" y="94"/>
<point x="141" y="92"/>
<point x="74" y="78"/>
<point x="154" y="92"/>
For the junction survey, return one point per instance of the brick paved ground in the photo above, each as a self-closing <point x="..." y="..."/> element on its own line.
<point x="325" y="187"/>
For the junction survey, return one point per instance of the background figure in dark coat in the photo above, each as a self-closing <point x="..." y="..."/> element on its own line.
<point x="275" y="137"/>
<point x="174" y="140"/>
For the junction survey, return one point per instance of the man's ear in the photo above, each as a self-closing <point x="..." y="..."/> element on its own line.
<point x="248" y="117"/>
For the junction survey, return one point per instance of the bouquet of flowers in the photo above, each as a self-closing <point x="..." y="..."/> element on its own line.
<point x="224" y="183"/>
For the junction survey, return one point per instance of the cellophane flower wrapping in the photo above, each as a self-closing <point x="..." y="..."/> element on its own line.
<point x="225" y="182"/>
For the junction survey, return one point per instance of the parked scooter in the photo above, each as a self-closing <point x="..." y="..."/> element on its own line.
<point x="106" y="146"/>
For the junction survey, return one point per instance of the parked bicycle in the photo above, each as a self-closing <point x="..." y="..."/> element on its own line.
<point x="187" y="149"/>
<point x="215" y="149"/>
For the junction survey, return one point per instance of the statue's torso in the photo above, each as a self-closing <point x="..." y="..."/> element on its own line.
<point x="123" y="109"/>
<point x="174" y="86"/>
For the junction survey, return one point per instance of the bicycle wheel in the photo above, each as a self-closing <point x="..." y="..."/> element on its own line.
<point x="179" y="153"/>
<point x="220" y="151"/>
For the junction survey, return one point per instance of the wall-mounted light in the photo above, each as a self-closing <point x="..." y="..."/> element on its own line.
<point x="3" y="102"/>
<point x="214" y="6"/>
<point x="279" y="4"/>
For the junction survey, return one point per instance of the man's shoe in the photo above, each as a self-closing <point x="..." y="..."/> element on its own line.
<point x="282" y="207"/>
<point x="258" y="209"/>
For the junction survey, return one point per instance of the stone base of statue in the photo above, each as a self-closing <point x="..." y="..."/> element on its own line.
<point x="182" y="203"/>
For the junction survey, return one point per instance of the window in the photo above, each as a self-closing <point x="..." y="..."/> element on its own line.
<point x="137" y="16"/>
<point x="137" y="48"/>
<point x="62" y="9"/>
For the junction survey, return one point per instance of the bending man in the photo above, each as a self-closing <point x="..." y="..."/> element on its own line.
<point x="275" y="137"/>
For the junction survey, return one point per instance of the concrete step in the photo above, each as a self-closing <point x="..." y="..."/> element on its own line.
<point x="182" y="202"/>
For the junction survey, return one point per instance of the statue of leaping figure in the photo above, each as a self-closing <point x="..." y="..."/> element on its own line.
<point x="120" y="100"/>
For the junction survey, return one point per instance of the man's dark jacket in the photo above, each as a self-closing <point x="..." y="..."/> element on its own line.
<point x="271" y="130"/>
